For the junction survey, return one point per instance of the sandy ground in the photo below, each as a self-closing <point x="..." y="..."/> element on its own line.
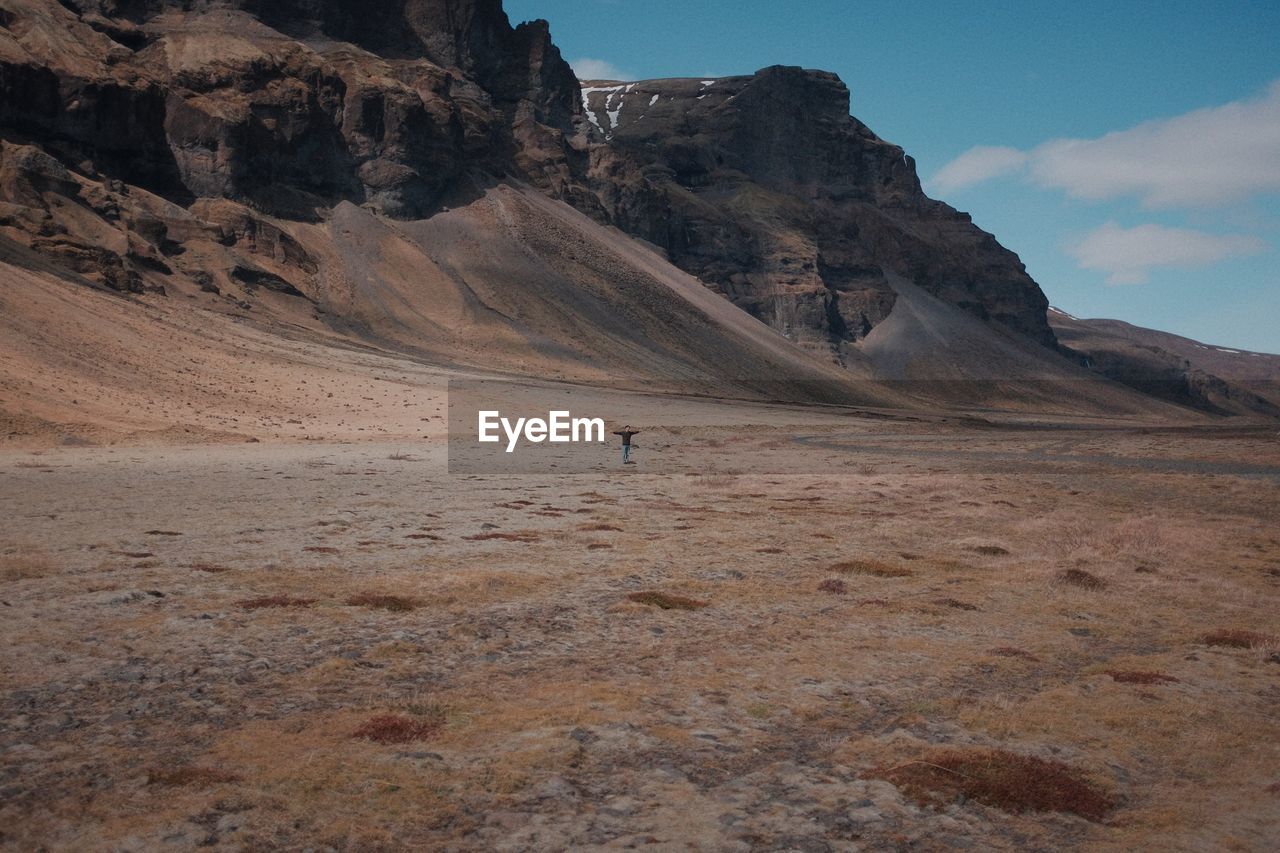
<point x="875" y="591"/>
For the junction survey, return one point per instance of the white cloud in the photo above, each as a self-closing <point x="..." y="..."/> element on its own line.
<point x="1127" y="255"/>
<point x="598" y="69"/>
<point x="1203" y="158"/>
<point x="977" y="165"/>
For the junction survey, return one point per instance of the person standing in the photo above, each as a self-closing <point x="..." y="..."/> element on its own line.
<point x="626" y="432"/>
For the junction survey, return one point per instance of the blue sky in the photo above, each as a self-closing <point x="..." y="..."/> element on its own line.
<point x="1128" y="152"/>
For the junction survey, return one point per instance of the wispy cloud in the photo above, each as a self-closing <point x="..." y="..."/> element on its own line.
<point x="1204" y="158"/>
<point x="1127" y="255"/>
<point x="977" y="165"/>
<point x="598" y="69"/>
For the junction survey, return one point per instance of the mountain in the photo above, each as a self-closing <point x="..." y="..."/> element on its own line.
<point x="767" y="189"/>
<point x="422" y="178"/>
<point x="1214" y="379"/>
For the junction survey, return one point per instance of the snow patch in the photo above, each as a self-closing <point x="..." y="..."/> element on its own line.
<point x="611" y="112"/>
<point x="587" y="92"/>
<point x="1224" y="349"/>
<point x="653" y="100"/>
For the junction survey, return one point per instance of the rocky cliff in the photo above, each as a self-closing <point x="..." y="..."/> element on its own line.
<point x="291" y="106"/>
<point x="133" y="129"/>
<point x="769" y="191"/>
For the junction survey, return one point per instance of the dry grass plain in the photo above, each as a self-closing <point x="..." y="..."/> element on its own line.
<point x="932" y="636"/>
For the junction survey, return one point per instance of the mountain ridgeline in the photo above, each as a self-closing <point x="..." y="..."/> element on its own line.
<point x="418" y="170"/>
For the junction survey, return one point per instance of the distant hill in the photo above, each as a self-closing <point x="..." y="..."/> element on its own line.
<point x="1184" y="371"/>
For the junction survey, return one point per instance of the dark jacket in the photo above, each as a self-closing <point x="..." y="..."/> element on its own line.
<point x="626" y="434"/>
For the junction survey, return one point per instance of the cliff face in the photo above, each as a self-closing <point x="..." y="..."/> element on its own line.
<point x="764" y="187"/>
<point x="291" y="105"/>
<point x="767" y="189"/>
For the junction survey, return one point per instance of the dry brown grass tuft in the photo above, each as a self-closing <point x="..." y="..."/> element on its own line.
<point x="1079" y="578"/>
<point x="321" y="549"/>
<point x="955" y="604"/>
<point x="398" y="728"/>
<point x="998" y="778"/>
<point x="505" y="537"/>
<point x="834" y="586"/>
<point x="1137" y="676"/>
<point x="1238" y="638"/>
<point x="876" y="568"/>
<point x="274" y="601"/>
<point x="16" y="567"/>
<point x="666" y="601"/>
<point x="1012" y="652"/>
<point x="394" y="603"/>
<point x="191" y="775"/>
<point x="211" y="568"/>
<point x="600" y="528"/>
<point x="989" y="550"/>
<point x="163" y="533"/>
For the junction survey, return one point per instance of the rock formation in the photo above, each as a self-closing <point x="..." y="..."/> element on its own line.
<point x="374" y="170"/>
<point x="769" y="191"/>
<point x="764" y="187"/>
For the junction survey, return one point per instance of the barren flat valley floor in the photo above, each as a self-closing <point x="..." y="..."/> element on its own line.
<point x="789" y="634"/>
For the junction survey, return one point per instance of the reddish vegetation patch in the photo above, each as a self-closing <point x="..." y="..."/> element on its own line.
<point x="1136" y="676"/>
<point x="135" y="555"/>
<point x="876" y="568"/>
<point x="191" y="775"/>
<point x="431" y="536"/>
<point x="275" y="601"/>
<point x="1011" y="652"/>
<point x="1080" y="578"/>
<point x="874" y="602"/>
<point x="599" y="546"/>
<point x="998" y="778"/>
<point x="989" y="550"/>
<point x="396" y="728"/>
<point x="394" y="603"/>
<point x="320" y="549"/>
<point x="600" y="528"/>
<point x="666" y="602"/>
<point x="163" y="533"/>
<point x="1237" y="638"/>
<point x="835" y="586"/>
<point x="211" y="568"/>
<point x="955" y="604"/>
<point x="768" y="550"/>
<point x="505" y="537"/>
